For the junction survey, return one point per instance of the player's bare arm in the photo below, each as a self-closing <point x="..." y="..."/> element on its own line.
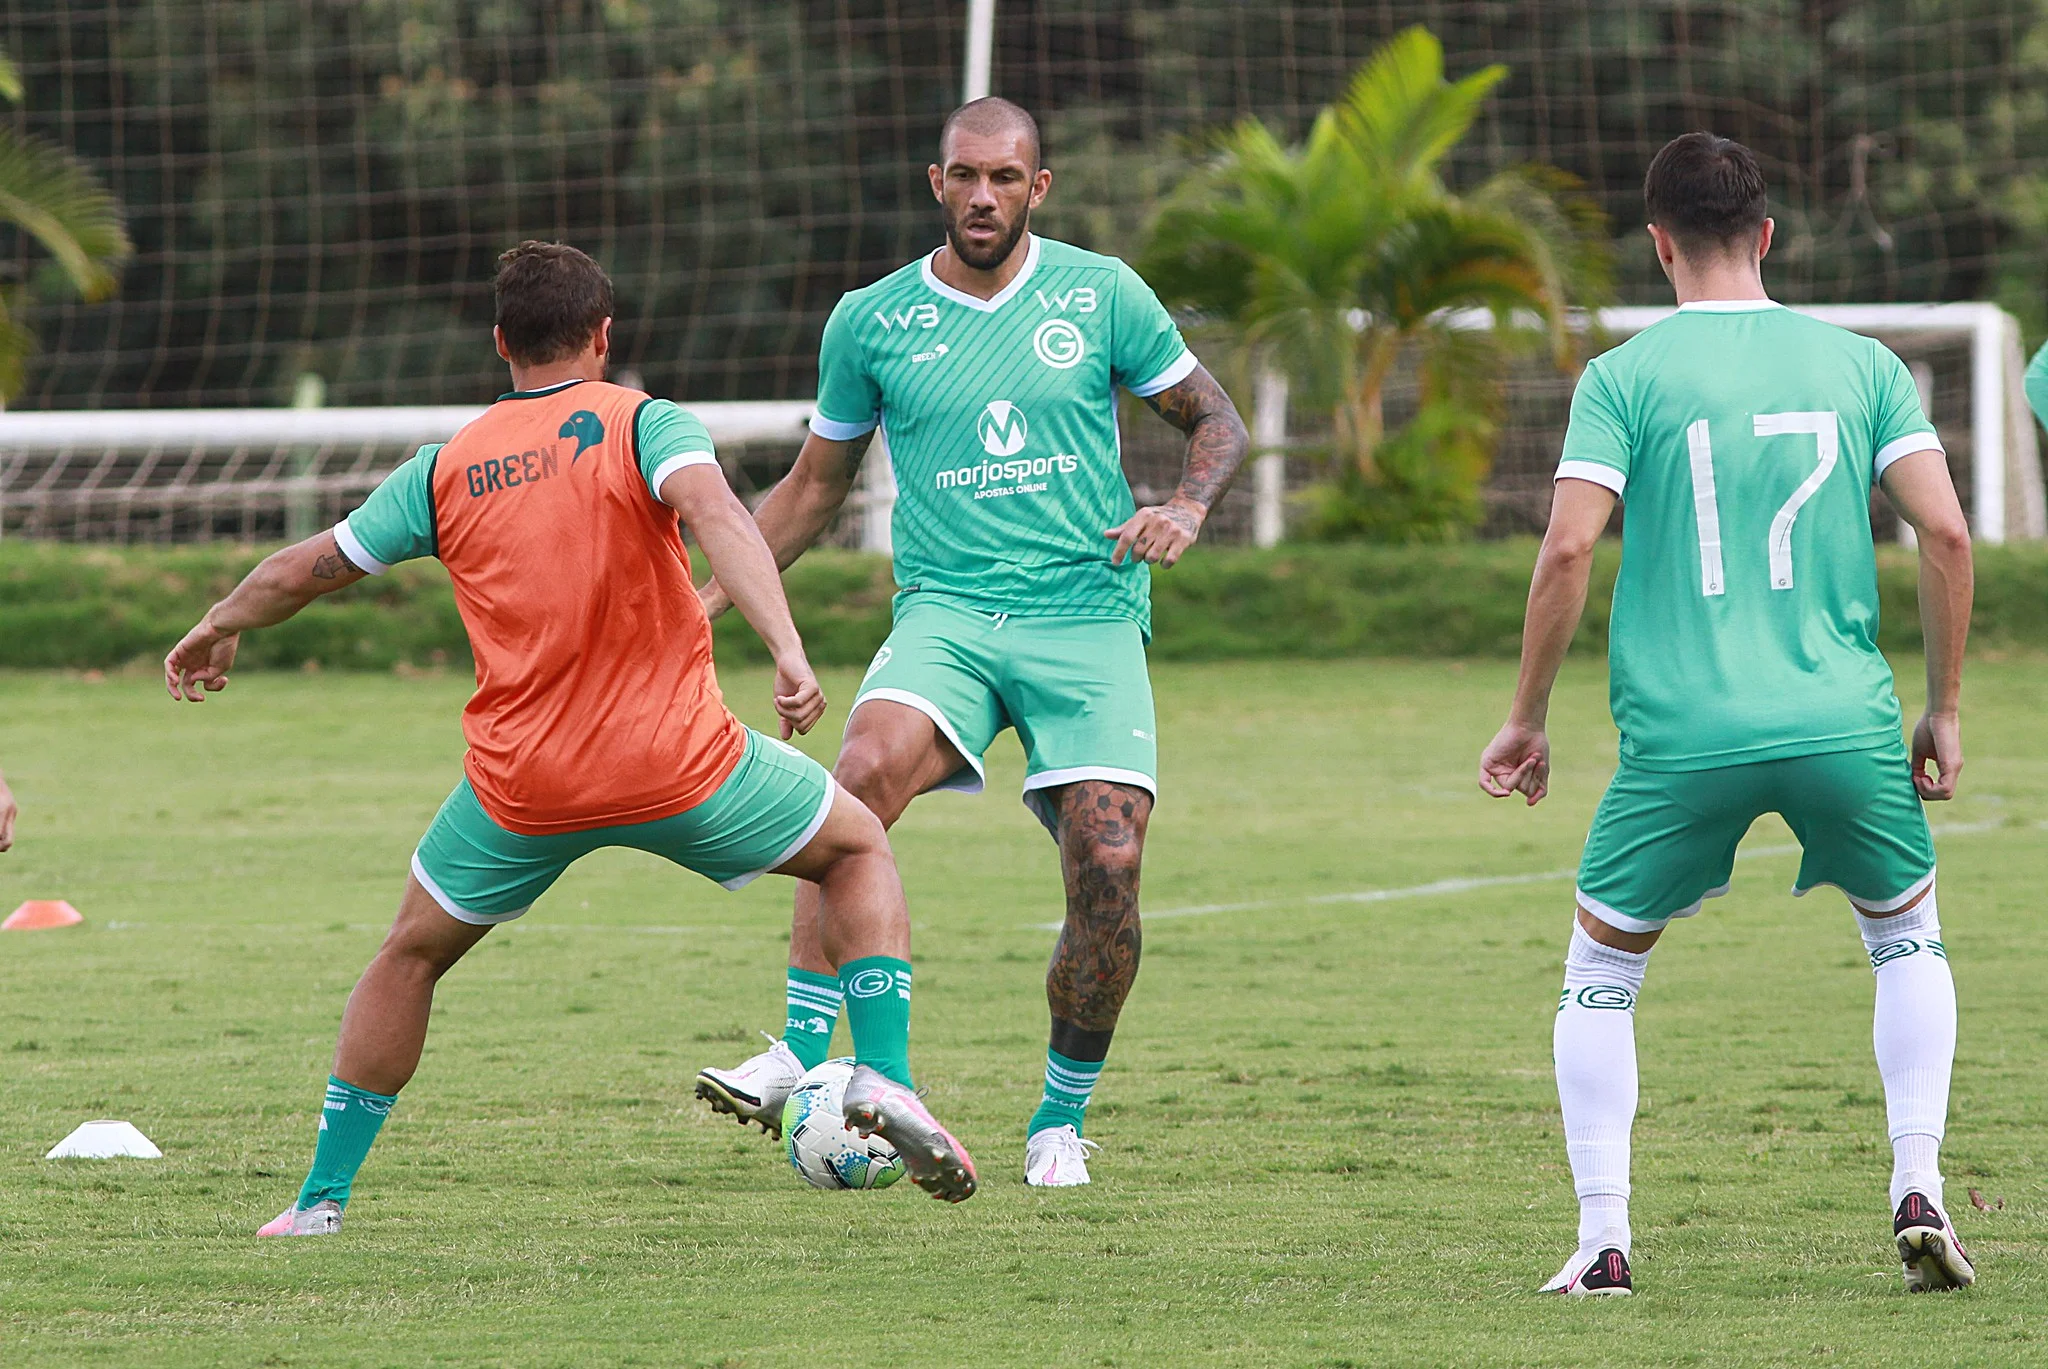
<point x="1921" y="490"/>
<point x="741" y="560"/>
<point x="1517" y="760"/>
<point x="1217" y="444"/>
<point x="284" y="583"/>
<point x="7" y="815"/>
<point x="795" y="513"/>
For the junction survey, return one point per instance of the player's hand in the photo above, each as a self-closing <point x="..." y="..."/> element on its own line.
<point x="199" y="662"/>
<point x="1160" y="534"/>
<point x="7" y="812"/>
<point x="713" y="598"/>
<point x="1517" y="760"/>
<point x="799" y="702"/>
<point x="1937" y="737"/>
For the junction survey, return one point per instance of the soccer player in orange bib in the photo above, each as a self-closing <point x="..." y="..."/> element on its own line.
<point x="597" y="719"/>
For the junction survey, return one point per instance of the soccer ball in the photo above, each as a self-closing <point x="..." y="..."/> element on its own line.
<point x="818" y="1143"/>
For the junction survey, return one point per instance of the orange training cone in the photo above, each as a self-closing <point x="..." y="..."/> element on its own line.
<point x="39" y="913"/>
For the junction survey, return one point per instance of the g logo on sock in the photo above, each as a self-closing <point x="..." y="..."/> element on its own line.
<point x="870" y="984"/>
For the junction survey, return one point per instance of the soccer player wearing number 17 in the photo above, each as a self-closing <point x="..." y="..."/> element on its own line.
<point x="1024" y="570"/>
<point x="1745" y="676"/>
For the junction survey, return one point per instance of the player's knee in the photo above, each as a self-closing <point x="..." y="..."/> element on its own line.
<point x="867" y="772"/>
<point x="1109" y="869"/>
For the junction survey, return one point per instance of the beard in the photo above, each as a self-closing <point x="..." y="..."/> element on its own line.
<point x="996" y="253"/>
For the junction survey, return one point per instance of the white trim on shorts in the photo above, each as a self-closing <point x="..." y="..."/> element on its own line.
<point x="932" y="711"/>
<point x="454" y="909"/>
<point x="1039" y="804"/>
<point x="1048" y="779"/>
<point x="1879" y="906"/>
<point x="1622" y="922"/>
<point x="789" y="851"/>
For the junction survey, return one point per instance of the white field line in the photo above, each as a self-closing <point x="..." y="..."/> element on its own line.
<point x="1461" y="886"/>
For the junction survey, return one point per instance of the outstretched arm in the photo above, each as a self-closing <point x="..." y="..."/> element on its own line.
<point x="1518" y="758"/>
<point x="743" y="564"/>
<point x="1920" y="489"/>
<point x="1217" y="443"/>
<point x="286" y="582"/>
<point x="800" y="507"/>
<point x="7" y="812"/>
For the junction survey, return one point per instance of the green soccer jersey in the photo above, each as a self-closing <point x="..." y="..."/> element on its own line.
<point x="1000" y="416"/>
<point x="2036" y="384"/>
<point x="1744" y="439"/>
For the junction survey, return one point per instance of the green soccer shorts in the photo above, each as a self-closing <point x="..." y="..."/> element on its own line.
<point x="1076" y="690"/>
<point x="1664" y="841"/>
<point x="767" y="810"/>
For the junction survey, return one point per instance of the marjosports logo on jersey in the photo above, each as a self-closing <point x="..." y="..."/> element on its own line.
<point x="1003" y="432"/>
<point x="1002" y="428"/>
<point x="1059" y="344"/>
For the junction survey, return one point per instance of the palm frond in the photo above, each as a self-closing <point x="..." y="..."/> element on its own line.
<point x="11" y="88"/>
<point x="1401" y="116"/>
<point x="56" y="198"/>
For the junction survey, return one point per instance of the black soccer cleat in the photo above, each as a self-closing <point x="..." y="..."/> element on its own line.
<point x="1929" y="1248"/>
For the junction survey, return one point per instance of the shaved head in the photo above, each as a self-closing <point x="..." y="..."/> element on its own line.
<point x="990" y="115"/>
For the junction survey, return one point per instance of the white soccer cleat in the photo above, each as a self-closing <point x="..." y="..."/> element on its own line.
<point x="1057" y="1158"/>
<point x="1599" y="1270"/>
<point x="321" y="1219"/>
<point x="756" y="1090"/>
<point x="1929" y="1248"/>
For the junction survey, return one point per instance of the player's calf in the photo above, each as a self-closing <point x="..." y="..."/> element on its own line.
<point x="1102" y="841"/>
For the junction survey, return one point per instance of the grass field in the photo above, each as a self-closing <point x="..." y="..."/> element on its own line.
<point x="1330" y="1136"/>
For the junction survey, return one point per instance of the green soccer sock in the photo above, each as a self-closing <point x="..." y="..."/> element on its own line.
<point x="350" y="1119"/>
<point x="1068" y="1084"/>
<point x="877" y="991"/>
<point x="813" y="1013"/>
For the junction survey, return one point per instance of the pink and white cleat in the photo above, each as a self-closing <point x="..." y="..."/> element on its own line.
<point x="1057" y="1158"/>
<point x="938" y="1164"/>
<point x="321" y="1219"/>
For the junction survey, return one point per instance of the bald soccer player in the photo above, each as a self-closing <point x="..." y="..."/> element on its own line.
<point x="1024" y="567"/>
<point x="597" y="719"/>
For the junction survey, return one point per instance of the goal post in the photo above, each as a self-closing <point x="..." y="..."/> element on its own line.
<point x="1998" y="431"/>
<point x="256" y="474"/>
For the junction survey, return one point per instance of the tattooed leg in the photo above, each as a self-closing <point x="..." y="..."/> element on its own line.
<point x="1102" y="841"/>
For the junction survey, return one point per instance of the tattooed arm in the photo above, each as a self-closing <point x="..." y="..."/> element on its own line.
<point x="286" y="582"/>
<point x="801" y="506"/>
<point x="1217" y="443"/>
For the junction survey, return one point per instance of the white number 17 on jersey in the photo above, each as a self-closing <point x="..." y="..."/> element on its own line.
<point x="1707" y="509"/>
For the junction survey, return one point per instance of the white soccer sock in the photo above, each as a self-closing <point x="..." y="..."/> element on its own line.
<point x="1915" y="1035"/>
<point x="1594" y="1044"/>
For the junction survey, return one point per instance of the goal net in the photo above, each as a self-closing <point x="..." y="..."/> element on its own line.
<point x="322" y="188"/>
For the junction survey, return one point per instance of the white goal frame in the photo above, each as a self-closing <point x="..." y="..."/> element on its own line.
<point x="266" y="447"/>
<point x="2006" y="483"/>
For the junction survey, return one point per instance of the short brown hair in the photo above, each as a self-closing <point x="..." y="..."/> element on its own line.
<point x="1706" y="191"/>
<point x="551" y="299"/>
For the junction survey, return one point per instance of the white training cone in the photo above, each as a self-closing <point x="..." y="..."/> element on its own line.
<point x="105" y="1140"/>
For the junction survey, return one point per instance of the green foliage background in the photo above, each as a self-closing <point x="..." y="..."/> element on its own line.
<point x="324" y="183"/>
<point x="101" y="607"/>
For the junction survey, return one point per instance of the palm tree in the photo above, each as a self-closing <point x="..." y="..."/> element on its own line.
<point x="57" y="200"/>
<point x="1341" y="262"/>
